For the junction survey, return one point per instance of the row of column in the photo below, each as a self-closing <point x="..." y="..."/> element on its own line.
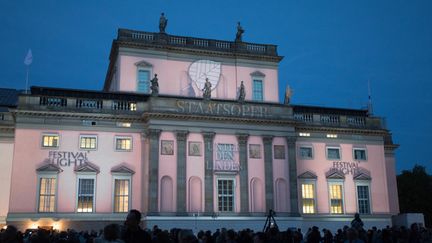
<point x="181" y="135"/>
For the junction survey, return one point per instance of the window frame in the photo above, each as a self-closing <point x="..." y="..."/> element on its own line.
<point x="341" y="183"/>
<point x="234" y="185"/>
<point x="81" y="136"/>
<point x="149" y="69"/>
<point x="88" y="175"/>
<point x="117" y="137"/>
<point x="368" y="184"/>
<point x="363" y="149"/>
<point x="121" y="177"/>
<point x="313" y="182"/>
<point x="306" y="146"/>
<point x="46" y="175"/>
<point x="333" y="147"/>
<point x="49" y="134"/>
<point x="261" y="79"/>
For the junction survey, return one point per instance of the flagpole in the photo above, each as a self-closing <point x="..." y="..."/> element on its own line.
<point x="27" y="76"/>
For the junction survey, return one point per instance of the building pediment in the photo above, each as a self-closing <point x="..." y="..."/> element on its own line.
<point x="122" y="169"/>
<point x="362" y="174"/>
<point x="87" y="167"/>
<point x="49" y="167"/>
<point x="335" y="174"/>
<point x="257" y="74"/>
<point x="307" y="175"/>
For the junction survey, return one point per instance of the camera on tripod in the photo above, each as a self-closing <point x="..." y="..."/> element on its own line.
<point x="270" y="222"/>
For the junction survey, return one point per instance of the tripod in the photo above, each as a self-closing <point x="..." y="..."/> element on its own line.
<point x="270" y="221"/>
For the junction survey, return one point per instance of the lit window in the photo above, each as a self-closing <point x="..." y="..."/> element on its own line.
<point x="47" y="195"/>
<point x="363" y="199"/>
<point x="306" y="152"/>
<point x="124" y="124"/>
<point x="332" y="136"/>
<point x="333" y="153"/>
<point x="85" y="195"/>
<point x="308" y="198"/>
<point x="50" y="141"/>
<point x="121" y="195"/>
<point x="133" y="106"/>
<point x="88" y="142"/>
<point x="143" y="81"/>
<point x="336" y="200"/>
<point x="304" y="134"/>
<point x="225" y="195"/>
<point x="360" y="154"/>
<point x="123" y="143"/>
<point x="257" y="90"/>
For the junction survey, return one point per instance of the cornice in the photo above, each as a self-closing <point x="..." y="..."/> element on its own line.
<point x="365" y="131"/>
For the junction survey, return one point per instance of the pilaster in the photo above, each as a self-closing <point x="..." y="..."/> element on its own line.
<point x="181" y="136"/>
<point x="244" y="177"/>
<point x="208" y="173"/>
<point x="268" y="171"/>
<point x="153" y="135"/>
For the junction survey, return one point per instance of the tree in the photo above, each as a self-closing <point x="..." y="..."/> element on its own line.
<point x="415" y="192"/>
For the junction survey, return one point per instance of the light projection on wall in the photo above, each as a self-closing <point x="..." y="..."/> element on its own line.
<point x="202" y="69"/>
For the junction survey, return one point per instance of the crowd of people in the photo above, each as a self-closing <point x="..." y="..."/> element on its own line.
<point x="131" y="232"/>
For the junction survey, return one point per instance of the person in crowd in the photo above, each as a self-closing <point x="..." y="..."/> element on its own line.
<point x="132" y="232"/>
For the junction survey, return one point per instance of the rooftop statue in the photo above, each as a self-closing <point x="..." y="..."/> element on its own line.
<point x="207" y="90"/>
<point x="240" y="32"/>
<point x="154" y="86"/>
<point x="162" y="23"/>
<point x="288" y="95"/>
<point x="242" y="93"/>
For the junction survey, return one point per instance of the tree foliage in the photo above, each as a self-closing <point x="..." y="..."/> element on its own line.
<point x="415" y="192"/>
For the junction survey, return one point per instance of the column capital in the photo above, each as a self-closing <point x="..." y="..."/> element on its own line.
<point x="267" y="139"/>
<point x="181" y="135"/>
<point x="208" y="135"/>
<point x="242" y="138"/>
<point x="291" y="140"/>
<point x="153" y="133"/>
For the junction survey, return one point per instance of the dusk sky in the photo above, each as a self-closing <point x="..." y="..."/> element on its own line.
<point x="331" y="49"/>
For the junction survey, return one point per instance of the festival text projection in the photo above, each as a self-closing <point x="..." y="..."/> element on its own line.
<point x="225" y="158"/>
<point x="67" y="158"/>
<point x="346" y="167"/>
<point x="222" y="109"/>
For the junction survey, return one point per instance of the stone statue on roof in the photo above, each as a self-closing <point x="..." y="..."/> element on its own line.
<point x="207" y="90"/>
<point x="162" y="23"/>
<point x="288" y="95"/>
<point x="239" y="33"/>
<point x="154" y="86"/>
<point x="242" y="93"/>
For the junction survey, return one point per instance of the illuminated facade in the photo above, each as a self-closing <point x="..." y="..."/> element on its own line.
<point x="155" y="144"/>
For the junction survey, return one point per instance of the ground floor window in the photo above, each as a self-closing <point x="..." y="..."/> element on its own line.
<point x="47" y="195"/>
<point x="225" y="195"/>
<point x="363" y="199"/>
<point x="336" y="198"/>
<point x="85" y="195"/>
<point x="121" y="195"/>
<point x="308" y="198"/>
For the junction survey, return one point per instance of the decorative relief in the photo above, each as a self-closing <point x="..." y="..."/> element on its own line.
<point x="167" y="147"/>
<point x="195" y="148"/>
<point x="279" y="151"/>
<point x="254" y="151"/>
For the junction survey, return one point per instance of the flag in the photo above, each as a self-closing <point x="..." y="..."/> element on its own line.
<point x="29" y="58"/>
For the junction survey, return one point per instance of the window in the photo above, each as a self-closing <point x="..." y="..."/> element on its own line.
<point x="304" y="134"/>
<point x="363" y="199"/>
<point x="133" y="106"/>
<point x="225" y="195"/>
<point x="50" y="141"/>
<point x="85" y="195"/>
<point x="123" y="143"/>
<point x="333" y="153"/>
<point x="47" y="195"/>
<point x="308" y="198"/>
<point x="143" y="81"/>
<point x="360" y="154"/>
<point x="336" y="199"/>
<point x="306" y="152"/>
<point x="88" y="142"/>
<point x="257" y="90"/>
<point x="121" y="195"/>
<point x="332" y="136"/>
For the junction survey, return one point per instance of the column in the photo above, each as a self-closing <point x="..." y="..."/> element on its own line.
<point x="181" y="171"/>
<point x="153" y="198"/>
<point x="208" y="173"/>
<point x="244" y="178"/>
<point x="268" y="171"/>
<point x="292" y="168"/>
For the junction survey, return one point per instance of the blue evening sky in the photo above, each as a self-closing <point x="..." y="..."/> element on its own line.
<point x="331" y="49"/>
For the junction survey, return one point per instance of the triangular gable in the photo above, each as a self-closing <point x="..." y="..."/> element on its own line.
<point x="87" y="167"/>
<point x="49" y="167"/>
<point x="122" y="169"/>
<point x="143" y="64"/>
<point x="335" y="174"/>
<point x="257" y="74"/>
<point x="362" y="174"/>
<point x="307" y="175"/>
